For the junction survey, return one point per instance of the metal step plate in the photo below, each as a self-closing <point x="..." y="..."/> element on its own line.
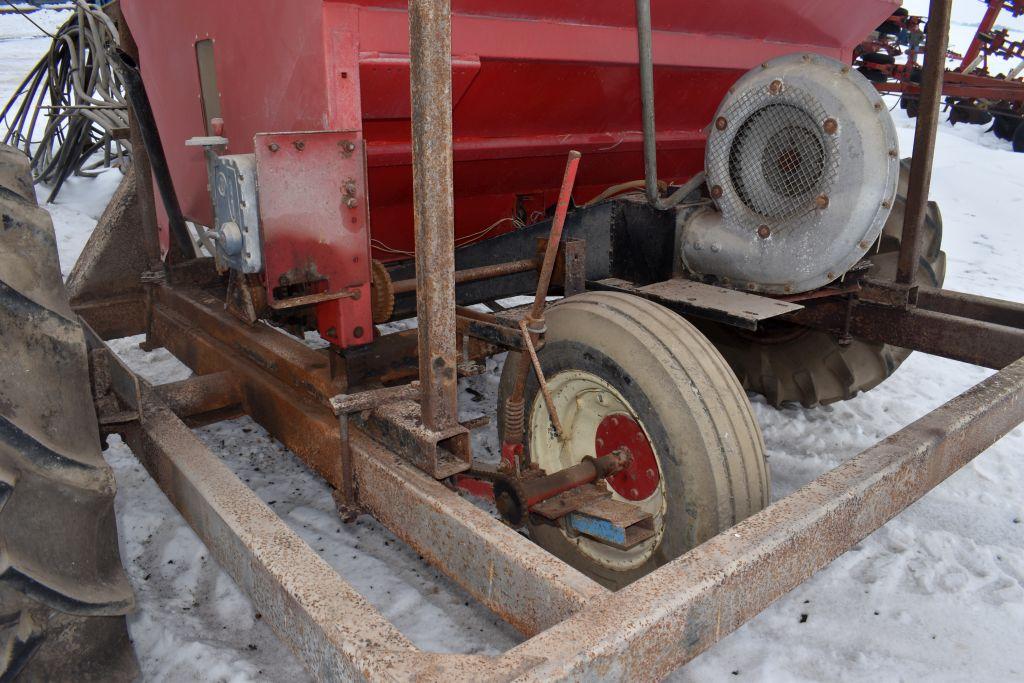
<point x="729" y="306"/>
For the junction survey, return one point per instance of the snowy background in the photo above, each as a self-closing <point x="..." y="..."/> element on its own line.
<point x="937" y="594"/>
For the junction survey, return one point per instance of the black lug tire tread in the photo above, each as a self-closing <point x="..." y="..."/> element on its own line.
<point x="688" y="383"/>
<point x="63" y="591"/>
<point x="813" y="368"/>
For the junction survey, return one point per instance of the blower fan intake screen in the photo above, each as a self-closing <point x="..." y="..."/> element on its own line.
<point x="779" y="160"/>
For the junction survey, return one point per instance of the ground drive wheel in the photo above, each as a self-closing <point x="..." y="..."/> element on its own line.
<point x="791" y="364"/>
<point x="63" y="593"/>
<point x="626" y="371"/>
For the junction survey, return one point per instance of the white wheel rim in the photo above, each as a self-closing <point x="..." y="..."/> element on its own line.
<point x="582" y="400"/>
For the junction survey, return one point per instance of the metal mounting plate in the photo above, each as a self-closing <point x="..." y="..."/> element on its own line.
<point x="706" y="301"/>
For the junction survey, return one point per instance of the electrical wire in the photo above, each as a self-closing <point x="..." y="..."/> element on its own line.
<point x="65" y="112"/>
<point x="460" y="242"/>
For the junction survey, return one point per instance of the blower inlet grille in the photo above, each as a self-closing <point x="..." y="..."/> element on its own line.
<point x="780" y="159"/>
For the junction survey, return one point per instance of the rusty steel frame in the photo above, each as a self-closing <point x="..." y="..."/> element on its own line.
<point x="430" y="74"/>
<point x="580" y="629"/>
<point x="924" y="141"/>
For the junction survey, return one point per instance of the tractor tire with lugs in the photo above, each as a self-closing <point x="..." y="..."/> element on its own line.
<point x="63" y="591"/>
<point x="790" y="364"/>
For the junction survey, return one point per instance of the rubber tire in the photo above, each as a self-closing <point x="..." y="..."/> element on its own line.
<point x="63" y="592"/>
<point x="873" y="75"/>
<point x="877" y="58"/>
<point x="700" y="420"/>
<point x="1018" y="139"/>
<point x="791" y="365"/>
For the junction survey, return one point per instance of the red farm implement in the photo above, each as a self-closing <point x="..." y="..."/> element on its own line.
<point x="974" y="94"/>
<point x="333" y="167"/>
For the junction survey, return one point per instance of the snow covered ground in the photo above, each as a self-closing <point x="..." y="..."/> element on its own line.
<point x="937" y="594"/>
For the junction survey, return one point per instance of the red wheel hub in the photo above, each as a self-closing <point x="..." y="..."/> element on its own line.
<point x="640" y="480"/>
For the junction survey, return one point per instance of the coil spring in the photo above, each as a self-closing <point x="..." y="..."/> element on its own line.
<point x="515" y="420"/>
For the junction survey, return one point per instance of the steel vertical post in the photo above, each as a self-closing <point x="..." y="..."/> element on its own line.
<point x="924" y="140"/>
<point x="433" y="206"/>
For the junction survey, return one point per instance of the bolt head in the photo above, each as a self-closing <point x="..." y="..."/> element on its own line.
<point x="717" y="191"/>
<point x="721" y="123"/>
<point x="764" y="232"/>
<point x="821" y="201"/>
<point x="831" y="126"/>
<point x="775" y="87"/>
<point x="274" y="147"/>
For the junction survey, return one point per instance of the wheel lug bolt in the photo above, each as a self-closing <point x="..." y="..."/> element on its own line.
<point x="650" y="473"/>
<point x="600" y="443"/>
<point x="634" y="493"/>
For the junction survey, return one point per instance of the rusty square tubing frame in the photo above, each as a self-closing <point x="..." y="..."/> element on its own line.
<point x="924" y="141"/>
<point x="430" y="73"/>
<point x="509" y="574"/>
<point x="644" y="631"/>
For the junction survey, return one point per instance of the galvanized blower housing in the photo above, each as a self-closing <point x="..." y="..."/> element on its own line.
<point x="802" y="164"/>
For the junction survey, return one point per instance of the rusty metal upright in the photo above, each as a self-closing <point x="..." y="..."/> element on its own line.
<point x="433" y="203"/>
<point x="924" y="140"/>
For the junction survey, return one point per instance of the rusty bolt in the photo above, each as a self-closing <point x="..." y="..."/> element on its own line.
<point x="716" y="191"/>
<point x="788" y="288"/>
<point x="348" y="146"/>
<point x="894" y="153"/>
<point x="821" y="201"/>
<point x="831" y="275"/>
<point x="721" y="123"/>
<point x="764" y="65"/>
<point x="831" y="126"/>
<point x="806" y="58"/>
<point x="274" y="147"/>
<point x="864" y="244"/>
<point x="764" y="232"/>
<point x="878" y="106"/>
<point x="845" y="70"/>
<point x="299" y="145"/>
<point x="886" y="204"/>
<point x="351" y="202"/>
<point x="350" y="186"/>
<point x="775" y="87"/>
